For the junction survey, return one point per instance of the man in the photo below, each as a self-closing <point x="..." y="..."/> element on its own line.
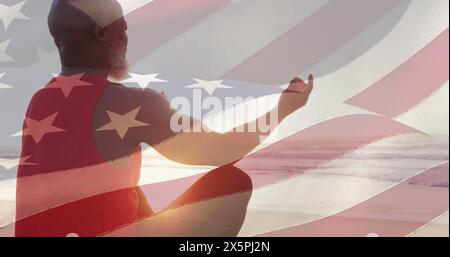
<point x="82" y="135"/>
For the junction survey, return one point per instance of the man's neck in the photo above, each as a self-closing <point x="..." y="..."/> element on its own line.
<point x="69" y="71"/>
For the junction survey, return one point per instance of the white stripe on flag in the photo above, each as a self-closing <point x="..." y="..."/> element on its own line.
<point x="131" y="5"/>
<point x="431" y="115"/>
<point x="437" y="228"/>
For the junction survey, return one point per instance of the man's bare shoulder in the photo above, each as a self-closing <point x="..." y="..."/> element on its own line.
<point x="139" y="108"/>
<point x="118" y="92"/>
<point x="148" y="103"/>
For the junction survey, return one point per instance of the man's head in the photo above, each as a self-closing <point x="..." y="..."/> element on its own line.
<point x="90" y="34"/>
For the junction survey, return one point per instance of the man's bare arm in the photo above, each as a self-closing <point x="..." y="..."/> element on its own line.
<point x="217" y="149"/>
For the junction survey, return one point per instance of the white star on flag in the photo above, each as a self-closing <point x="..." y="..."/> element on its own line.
<point x="3" y="86"/>
<point x="11" y="163"/>
<point x="3" y="56"/>
<point x="68" y="83"/>
<point x="122" y="123"/>
<point x="9" y="13"/>
<point x="38" y="129"/>
<point x="143" y="80"/>
<point x="209" y="86"/>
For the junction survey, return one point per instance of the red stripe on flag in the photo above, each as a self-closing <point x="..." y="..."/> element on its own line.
<point x="410" y="83"/>
<point x="398" y="211"/>
<point x="310" y="41"/>
<point x="152" y="25"/>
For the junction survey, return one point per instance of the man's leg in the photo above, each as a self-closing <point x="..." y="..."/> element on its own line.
<point x="215" y="205"/>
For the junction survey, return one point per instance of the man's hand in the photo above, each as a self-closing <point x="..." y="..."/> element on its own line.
<point x="295" y="96"/>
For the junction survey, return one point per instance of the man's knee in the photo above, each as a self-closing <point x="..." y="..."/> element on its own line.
<point x="230" y="180"/>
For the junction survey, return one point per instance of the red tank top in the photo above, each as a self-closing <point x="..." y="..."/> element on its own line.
<point x="64" y="187"/>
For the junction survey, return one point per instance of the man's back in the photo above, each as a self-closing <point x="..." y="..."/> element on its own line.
<point x="66" y="184"/>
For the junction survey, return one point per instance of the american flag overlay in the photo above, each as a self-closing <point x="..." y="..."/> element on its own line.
<point x="359" y="149"/>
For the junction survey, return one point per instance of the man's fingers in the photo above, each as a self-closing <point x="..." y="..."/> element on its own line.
<point x="309" y="88"/>
<point x="310" y="80"/>
<point x="298" y="85"/>
<point x="297" y="80"/>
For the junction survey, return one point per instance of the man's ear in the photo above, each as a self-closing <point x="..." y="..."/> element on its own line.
<point x="98" y="34"/>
